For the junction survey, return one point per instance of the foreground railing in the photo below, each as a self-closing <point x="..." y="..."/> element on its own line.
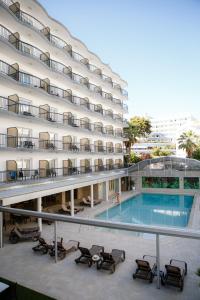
<point x="173" y="232"/>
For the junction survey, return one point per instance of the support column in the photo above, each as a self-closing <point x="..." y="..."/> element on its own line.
<point x="119" y="186"/>
<point x="55" y="240"/>
<point x="72" y="202"/>
<point x="106" y="190"/>
<point x="158" y="260"/>
<point x="181" y="183"/>
<point x="1" y="229"/>
<point x="39" y="209"/>
<point x="92" y="195"/>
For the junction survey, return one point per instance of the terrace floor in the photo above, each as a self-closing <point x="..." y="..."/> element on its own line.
<point x="68" y="281"/>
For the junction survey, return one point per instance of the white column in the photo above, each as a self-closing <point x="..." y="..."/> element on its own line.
<point x="158" y="260"/>
<point x="39" y="209"/>
<point x="92" y="195"/>
<point x="106" y="190"/>
<point x="72" y="202"/>
<point x="119" y="186"/>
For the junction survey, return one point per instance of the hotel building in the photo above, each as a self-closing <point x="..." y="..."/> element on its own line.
<point x="61" y="111"/>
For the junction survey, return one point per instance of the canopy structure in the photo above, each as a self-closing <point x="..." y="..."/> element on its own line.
<point x="166" y="163"/>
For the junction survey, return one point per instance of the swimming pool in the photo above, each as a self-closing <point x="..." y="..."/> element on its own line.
<point x="152" y="209"/>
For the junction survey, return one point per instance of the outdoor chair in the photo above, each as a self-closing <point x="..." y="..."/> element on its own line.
<point x="76" y="208"/>
<point x="96" y="201"/>
<point x="145" y="270"/>
<point x="63" y="248"/>
<point x="175" y="273"/>
<point x="109" y="261"/>
<point x="85" y="202"/>
<point x="87" y="254"/>
<point x="42" y="247"/>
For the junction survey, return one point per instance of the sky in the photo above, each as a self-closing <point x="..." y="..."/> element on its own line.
<point x="153" y="44"/>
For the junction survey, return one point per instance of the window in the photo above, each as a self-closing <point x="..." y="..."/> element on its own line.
<point x="53" y="113"/>
<point x="3" y="67"/>
<point x="25" y="132"/>
<point x="25" y="105"/>
<point x="26" y="48"/>
<point x="3" y="103"/>
<point x="23" y="164"/>
<point x="25" y="78"/>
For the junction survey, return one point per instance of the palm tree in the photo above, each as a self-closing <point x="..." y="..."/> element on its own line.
<point x="188" y="142"/>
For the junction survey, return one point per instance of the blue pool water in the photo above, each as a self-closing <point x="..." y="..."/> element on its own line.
<point x="152" y="209"/>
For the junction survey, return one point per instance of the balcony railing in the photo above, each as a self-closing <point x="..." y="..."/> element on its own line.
<point x="42" y="173"/>
<point x="32" y="143"/>
<point x="31" y="21"/>
<point x="66" y="118"/>
<point x="34" y="81"/>
<point x="54" y="65"/>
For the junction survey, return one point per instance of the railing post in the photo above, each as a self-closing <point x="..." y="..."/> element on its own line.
<point x="1" y="229"/>
<point x="55" y="241"/>
<point x="158" y="260"/>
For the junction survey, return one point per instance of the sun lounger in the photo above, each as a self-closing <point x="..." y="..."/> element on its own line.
<point x="64" y="248"/>
<point x="145" y="270"/>
<point x="42" y="247"/>
<point x="175" y="273"/>
<point x="95" y="201"/>
<point x="109" y="261"/>
<point x="85" y="202"/>
<point x="67" y="209"/>
<point x="87" y="254"/>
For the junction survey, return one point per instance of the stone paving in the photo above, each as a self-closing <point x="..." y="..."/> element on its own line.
<point x="68" y="281"/>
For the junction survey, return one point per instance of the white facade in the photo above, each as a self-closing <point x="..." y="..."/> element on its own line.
<point x="172" y="128"/>
<point x="61" y="108"/>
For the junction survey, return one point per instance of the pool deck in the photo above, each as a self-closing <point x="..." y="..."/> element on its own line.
<point x="68" y="281"/>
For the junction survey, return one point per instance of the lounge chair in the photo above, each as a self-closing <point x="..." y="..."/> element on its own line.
<point x="42" y="247"/>
<point x="76" y="208"/>
<point x="85" y="202"/>
<point x="175" y="273"/>
<point x="87" y="254"/>
<point x="64" y="248"/>
<point x="109" y="261"/>
<point x="95" y="201"/>
<point x="145" y="270"/>
<point x="67" y="209"/>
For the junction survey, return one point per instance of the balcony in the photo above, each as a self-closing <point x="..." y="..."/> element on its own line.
<point x="33" y="81"/>
<point x="32" y="22"/>
<point x="30" y="50"/>
<point x="44" y="143"/>
<point x="44" y="112"/>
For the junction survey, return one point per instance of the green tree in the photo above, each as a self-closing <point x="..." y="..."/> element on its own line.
<point x="137" y="127"/>
<point x="158" y="151"/>
<point x="188" y="142"/>
<point x="196" y="153"/>
<point x="134" y="158"/>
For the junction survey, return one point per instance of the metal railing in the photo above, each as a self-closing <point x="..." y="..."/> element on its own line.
<point x="32" y="22"/>
<point x="33" y="51"/>
<point x="157" y="231"/>
<point x="36" y="82"/>
<point x="20" y="174"/>
<point x="33" y="143"/>
<point x="66" y="119"/>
